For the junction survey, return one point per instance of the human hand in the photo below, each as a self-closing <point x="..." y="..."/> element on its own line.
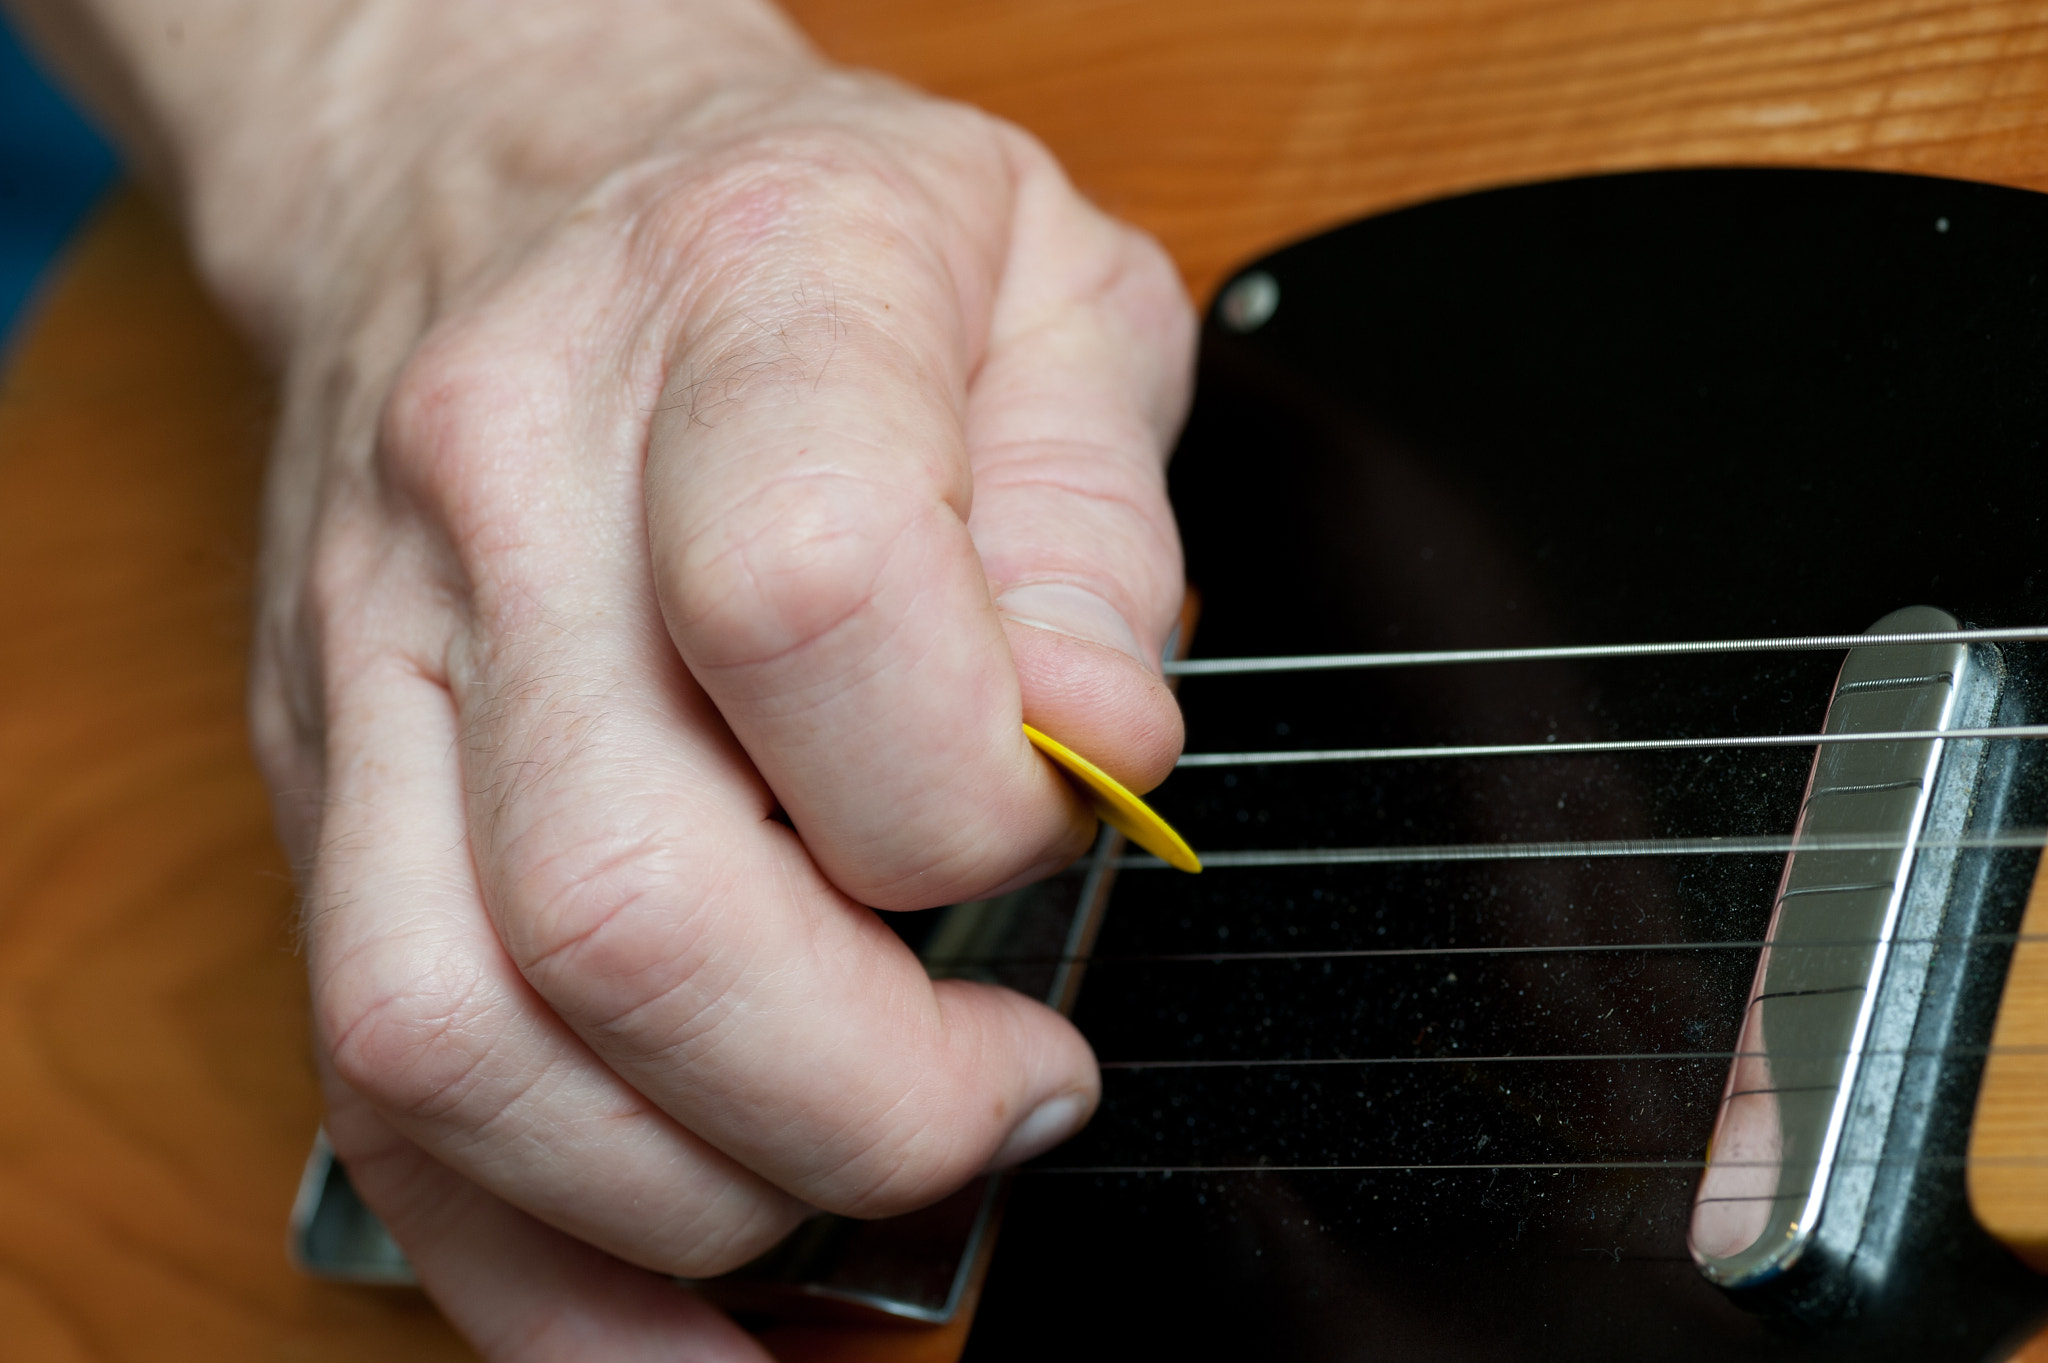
<point x="786" y="465"/>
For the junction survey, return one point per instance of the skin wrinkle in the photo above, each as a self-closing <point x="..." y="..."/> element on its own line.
<point x="1014" y="148"/>
<point x="590" y="882"/>
<point x="859" y="616"/>
<point x="655" y="261"/>
<point x="744" y="388"/>
<point x="804" y="178"/>
<point x="505" y="771"/>
<point x="763" y="348"/>
<point x="699" y="1051"/>
<point x="1161" y="417"/>
<point x="694" y="607"/>
<point x="1088" y="303"/>
<point x="834" y="161"/>
<point x="412" y="642"/>
<point x="350" y="954"/>
<point x="1003" y="458"/>
<point x="903" y="890"/>
<point x="1105" y="498"/>
<point x="882" y="1196"/>
<point x="875" y="663"/>
<point x="886" y="1197"/>
<point x="366" y="1163"/>
<point x="689" y="1040"/>
<point x="805" y="434"/>
<point x="485" y="1121"/>
<point x="945" y="870"/>
<point x="687" y="1228"/>
<point x="453" y="1208"/>
<point x="455" y="1095"/>
<point x="1143" y="598"/>
<point x="704" y="612"/>
<point x="685" y="1049"/>
<point x="378" y="1047"/>
<point x="858" y="1168"/>
<point x="333" y="851"/>
<point x="459" y="1092"/>
<point x="481" y="536"/>
<point x="687" y="909"/>
<point x="1130" y="432"/>
<point x="703" y="777"/>
<point x="432" y="369"/>
<point x="521" y="737"/>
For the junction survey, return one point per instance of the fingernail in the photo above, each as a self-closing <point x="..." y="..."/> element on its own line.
<point x="1051" y="1122"/>
<point x="1073" y="611"/>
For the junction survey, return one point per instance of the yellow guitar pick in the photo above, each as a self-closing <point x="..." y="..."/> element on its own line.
<point x="1117" y="807"/>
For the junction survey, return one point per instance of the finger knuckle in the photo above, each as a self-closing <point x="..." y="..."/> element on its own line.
<point x="786" y="567"/>
<point x="628" y="946"/>
<point x="453" y="395"/>
<point x="741" y="210"/>
<point x="784" y="232"/>
<point x="412" y="1039"/>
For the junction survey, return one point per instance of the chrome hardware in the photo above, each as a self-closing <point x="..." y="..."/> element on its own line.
<point x="1830" y="1016"/>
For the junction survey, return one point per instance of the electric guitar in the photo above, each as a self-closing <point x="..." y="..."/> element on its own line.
<point x="1228" y="129"/>
<point x="1601" y="912"/>
<point x="1593" y="910"/>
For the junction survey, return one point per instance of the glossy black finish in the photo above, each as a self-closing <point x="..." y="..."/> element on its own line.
<point x="1667" y="406"/>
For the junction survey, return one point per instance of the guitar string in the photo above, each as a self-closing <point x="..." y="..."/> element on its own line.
<point x="2018" y="839"/>
<point x="1932" y="1161"/>
<point x="1591" y="849"/>
<point x="1408" y="953"/>
<point x="1604" y="849"/>
<point x="1586" y="1057"/>
<point x="1317" y="662"/>
<point x="2021" y="840"/>
<point x="1624" y="745"/>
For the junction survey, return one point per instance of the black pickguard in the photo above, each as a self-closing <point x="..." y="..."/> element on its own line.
<point x="1685" y="405"/>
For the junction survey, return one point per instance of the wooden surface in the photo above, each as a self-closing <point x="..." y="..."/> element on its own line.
<point x="2009" y="1138"/>
<point x="1226" y="126"/>
<point x="155" y="1098"/>
<point x="155" y="1095"/>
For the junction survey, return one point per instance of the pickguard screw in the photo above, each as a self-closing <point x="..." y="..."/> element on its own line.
<point x="1250" y="301"/>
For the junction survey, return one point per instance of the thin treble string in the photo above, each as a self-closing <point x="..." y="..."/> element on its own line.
<point x="1483" y="1166"/>
<point x="1404" y="953"/>
<point x="1465" y="750"/>
<point x="1111" y="1169"/>
<point x="1210" y="667"/>
<point x="1464" y="852"/>
<point x="1557" y="1058"/>
<point x="1736" y="845"/>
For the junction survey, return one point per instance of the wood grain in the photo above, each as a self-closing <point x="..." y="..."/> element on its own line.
<point x="155" y="1097"/>
<point x="158" y="1094"/>
<point x="2008" y="1172"/>
<point x="1227" y="126"/>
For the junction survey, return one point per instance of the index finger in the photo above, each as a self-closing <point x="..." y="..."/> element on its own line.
<point x="809" y="492"/>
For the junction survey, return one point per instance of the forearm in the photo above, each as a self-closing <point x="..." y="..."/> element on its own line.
<point x="289" y="134"/>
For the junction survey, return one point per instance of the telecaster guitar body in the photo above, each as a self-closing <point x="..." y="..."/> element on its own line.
<point x="1427" y="1064"/>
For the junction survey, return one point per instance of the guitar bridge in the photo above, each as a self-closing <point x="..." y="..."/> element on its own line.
<point x="1825" y="1115"/>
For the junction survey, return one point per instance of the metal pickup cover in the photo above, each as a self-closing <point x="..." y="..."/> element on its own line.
<point x="1803" y="1118"/>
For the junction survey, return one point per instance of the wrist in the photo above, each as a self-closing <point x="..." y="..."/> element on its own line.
<point x="430" y="138"/>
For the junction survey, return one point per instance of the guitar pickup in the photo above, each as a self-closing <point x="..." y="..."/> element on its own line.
<point x="1825" y="1120"/>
